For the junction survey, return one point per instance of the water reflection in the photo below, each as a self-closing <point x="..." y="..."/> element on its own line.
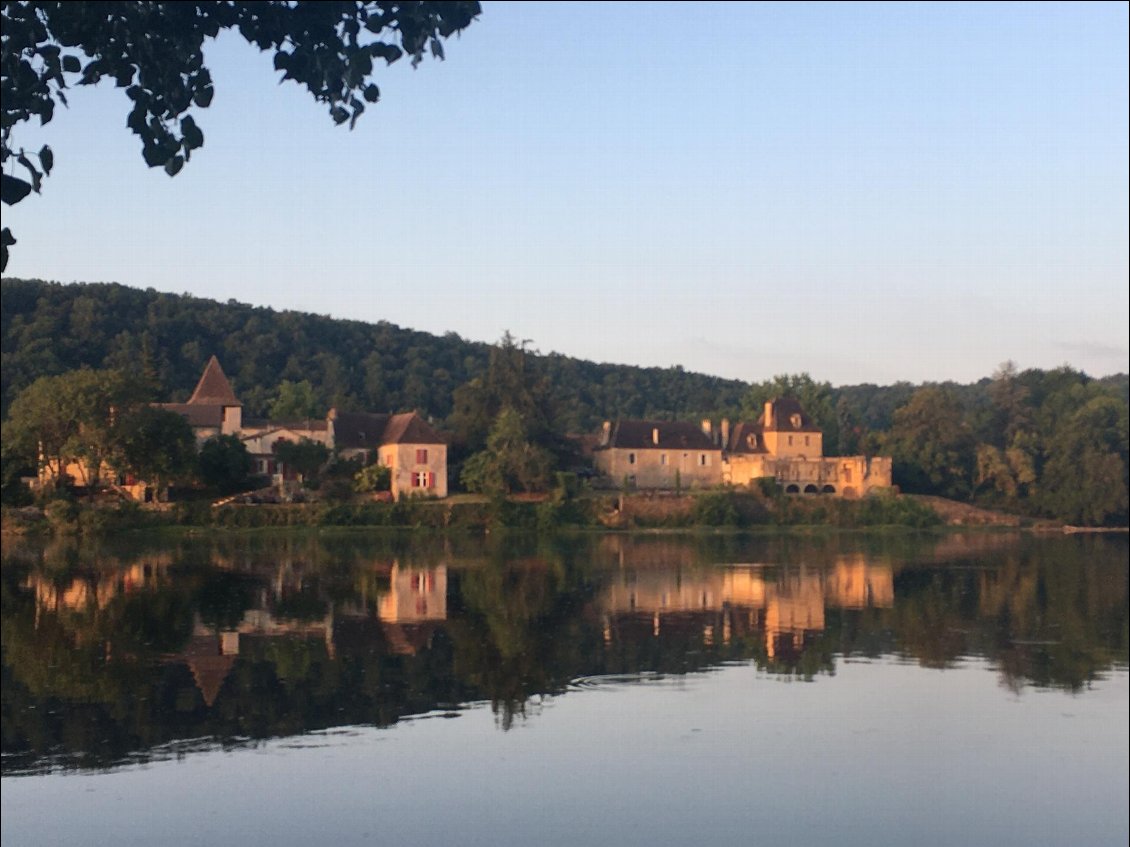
<point x="112" y="655"/>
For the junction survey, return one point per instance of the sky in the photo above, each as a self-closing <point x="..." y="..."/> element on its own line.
<point x="862" y="192"/>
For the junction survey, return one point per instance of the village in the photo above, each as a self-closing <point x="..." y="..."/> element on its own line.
<point x="784" y="446"/>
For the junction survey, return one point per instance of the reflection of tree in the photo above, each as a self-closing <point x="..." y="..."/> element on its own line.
<point x="1061" y="620"/>
<point x="97" y="672"/>
<point x="520" y="631"/>
<point x="223" y="598"/>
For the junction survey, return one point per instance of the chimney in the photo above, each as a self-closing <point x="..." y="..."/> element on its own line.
<point x="707" y="429"/>
<point x="768" y="414"/>
<point x="725" y="432"/>
<point x="655" y="435"/>
<point x="605" y="433"/>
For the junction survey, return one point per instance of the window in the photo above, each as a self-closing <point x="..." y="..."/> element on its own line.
<point x="703" y="460"/>
<point x="631" y="458"/>
<point x="663" y="458"/>
<point x="421" y="457"/>
<point x="790" y="441"/>
<point x="806" y="441"/>
<point x="423" y="479"/>
<point x="794" y="419"/>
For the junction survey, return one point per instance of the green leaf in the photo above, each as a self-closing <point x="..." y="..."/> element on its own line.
<point x="71" y="64"/>
<point x="372" y="93"/>
<point x="173" y="166"/>
<point x="46" y="159"/>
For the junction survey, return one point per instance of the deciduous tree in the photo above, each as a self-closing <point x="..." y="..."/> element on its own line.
<point x="155" y="51"/>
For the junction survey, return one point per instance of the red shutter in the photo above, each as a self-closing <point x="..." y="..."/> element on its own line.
<point x="431" y="480"/>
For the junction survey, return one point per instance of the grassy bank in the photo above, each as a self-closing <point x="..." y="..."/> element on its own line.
<point x="708" y="510"/>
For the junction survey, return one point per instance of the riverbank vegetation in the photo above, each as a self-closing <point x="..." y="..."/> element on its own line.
<point x="1040" y="444"/>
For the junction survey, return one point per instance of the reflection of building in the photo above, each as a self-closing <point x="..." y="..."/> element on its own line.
<point x="782" y="604"/>
<point x="96" y="590"/>
<point x="415" y="594"/>
<point x="404" y="613"/>
<point x="856" y="583"/>
<point x="784" y="445"/>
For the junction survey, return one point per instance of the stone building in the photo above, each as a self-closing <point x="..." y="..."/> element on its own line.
<point x="784" y="445"/>
<point x="405" y="443"/>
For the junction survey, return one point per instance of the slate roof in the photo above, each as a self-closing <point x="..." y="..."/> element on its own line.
<point x="746" y="438"/>
<point x="197" y="415"/>
<point x="782" y="410"/>
<point x="673" y="435"/>
<point x="358" y="429"/>
<point x="366" y="430"/>
<point x="213" y="388"/>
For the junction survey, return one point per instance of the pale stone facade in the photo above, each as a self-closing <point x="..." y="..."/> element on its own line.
<point x="417" y="469"/>
<point x="783" y="445"/>
<point x="659" y="454"/>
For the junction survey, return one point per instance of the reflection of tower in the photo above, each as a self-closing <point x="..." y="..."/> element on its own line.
<point x="795" y="606"/>
<point x="210" y="656"/>
<point x="856" y="583"/>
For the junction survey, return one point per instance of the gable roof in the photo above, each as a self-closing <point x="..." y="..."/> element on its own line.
<point x="672" y="435"/>
<point x="410" y="428"/>
<point x="366" y="430"/>
<point x="198" y="415"/>
<point x="213" y="388"/>
<point x="357" y="429"/>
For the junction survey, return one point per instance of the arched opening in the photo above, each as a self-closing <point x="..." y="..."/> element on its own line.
<point x="828" y="489"/>
<point x="811" y="489"/>
<point x="792" y="489"/>
<point x="850" y="492"/>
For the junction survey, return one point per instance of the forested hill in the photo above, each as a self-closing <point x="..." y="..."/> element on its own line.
<point x="50" y="329"/>
<point x="1051" y="443"/>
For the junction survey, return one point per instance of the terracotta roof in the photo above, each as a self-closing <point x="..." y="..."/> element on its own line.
<point x="213" y="387"/>
<point x="410" y="428"/>
<point x="746" y="438"/>
<point x="198" y="415"/>
<point x="787" y="415"/>
<point x="640" y="435"/>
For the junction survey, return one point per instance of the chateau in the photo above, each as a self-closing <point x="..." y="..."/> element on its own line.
<point x="783" y="444"/>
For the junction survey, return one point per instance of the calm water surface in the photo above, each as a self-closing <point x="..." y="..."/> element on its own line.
<point x="364" y="689"/>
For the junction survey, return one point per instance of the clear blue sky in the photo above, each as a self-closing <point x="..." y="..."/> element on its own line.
<point x="868" y="193"/>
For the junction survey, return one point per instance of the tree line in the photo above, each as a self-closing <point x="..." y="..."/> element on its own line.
<point x="1044" y="443"/>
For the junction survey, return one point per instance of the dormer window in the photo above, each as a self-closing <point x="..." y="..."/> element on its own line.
<point x="751" y="440"/>
<point x="794" y="419"/>
<point x="655" y="435"/>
